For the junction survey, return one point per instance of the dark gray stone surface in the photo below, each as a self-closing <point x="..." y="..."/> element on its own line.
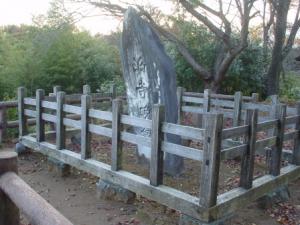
<point x="20" y="148"/>
<point x="109" y="191"/>
<point x="150" y="78"/>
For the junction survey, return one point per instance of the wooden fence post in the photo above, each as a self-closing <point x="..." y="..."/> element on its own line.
<point x="209" y="178"/>
<point x="9" y="213"/>
<point x="86" y="90"/>
<point x="60" y="128"/>
<point x="3" y="123"/>
<point x="247" y="162"/>
<point x="206" y="100"/>
<point x="40" y="123"/>
<point x="116" y="151"/>
<point x="21" y="114"/>
<point x="238" y="98"/>
<point x="277" y="149"/>
<point x="157" y="155"/>
<point x="296" y="152"/>
<point x="56" y="89"/>
<point x="255" y="97"/>
<point x="274" y="103"/>
<point x="86" y="101"/>
<point x="179" y="94"/>
<point x="113" y="91"/>
<point x="206" y="106"/>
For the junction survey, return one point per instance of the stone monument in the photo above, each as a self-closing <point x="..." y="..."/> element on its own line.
<point x="150" y="78"/>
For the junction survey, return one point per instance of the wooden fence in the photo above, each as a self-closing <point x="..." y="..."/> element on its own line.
<point x="15" y="194"/>
<point x="6" y="123"/>
<point x="208" y="205"/>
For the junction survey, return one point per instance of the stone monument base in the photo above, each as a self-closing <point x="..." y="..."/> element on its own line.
<point x="281" y="194"/>
<point x="109" y="191"/>
<point x="61" y="168"/>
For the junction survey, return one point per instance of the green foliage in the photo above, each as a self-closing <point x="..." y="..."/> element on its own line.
<point x="245" y="73"/>
<point x="290" y="87"/>
<point x="41" y="57"/>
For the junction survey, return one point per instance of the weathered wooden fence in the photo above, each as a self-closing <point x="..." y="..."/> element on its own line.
<point x="15" y="194"/>
<point x="208" y="205"/>
<point x="6" y="124"/>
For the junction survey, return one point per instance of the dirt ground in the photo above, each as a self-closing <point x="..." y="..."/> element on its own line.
<point x="75" y="197"/>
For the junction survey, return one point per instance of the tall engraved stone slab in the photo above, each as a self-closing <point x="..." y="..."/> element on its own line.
<point x="150" y="78"/>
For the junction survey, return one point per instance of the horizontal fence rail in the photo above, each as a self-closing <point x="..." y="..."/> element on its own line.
<point x="49" y="103"/>
<point x="217" y="143"/>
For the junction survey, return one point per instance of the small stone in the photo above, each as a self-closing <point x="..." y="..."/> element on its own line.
<point x="20" y="148"/>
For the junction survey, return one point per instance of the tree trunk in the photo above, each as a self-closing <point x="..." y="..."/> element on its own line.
<point x="273" y="75"/>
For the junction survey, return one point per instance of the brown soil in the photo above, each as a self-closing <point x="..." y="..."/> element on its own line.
<point x="74" y="197"/>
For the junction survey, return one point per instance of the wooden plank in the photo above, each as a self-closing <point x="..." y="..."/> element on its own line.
<point x="113" y="91"/>
<point x="206" y="107"/>
<point x="136" y="139"/>
<point x="274" y="107"/>
<point x="30" y="101"/>
<point x="72" y="109"/>
<point x="188" y="99"/>
<point x="217" y="96"/>
<point x="185" y="131"/>
<point x="36" y="209"/>
<point x="157" y="155"/>
<point x="21" y="115"/>
<point x="267" y="142"/>
<point x="60" y="127"/>
<point x="40" y="123"/>
<point x="100" y="130"/>
<point x="209" y="178"/>
<point x="290" y="135"/>
<point x="296" y="148"/>
<point x="72" y="123"/>
<point x="291" y="119"/>
<point x="102" y="115"/>
<point x="235" y="131"/>
<point x="277" y="149"/>
<point x="222" y="103"/>
<point x="254" y="97"/>
<point x="49" y="117"/>
<point x="49" y="105"/>
<point x="86" y="103"/>
<point x="247" y="161"/>
<point x="237" y="108"/>
<point x="291" y="111"/>
<point x="9" y="212"/>
<point x="236" y="199"/>
<point x="267" y="124"/>
<point x="30" y="113"/>
<point x="116" y="146"/>
<point x="136" y="121"/>
<point x="261" y="107"/>
<point x="183" y="151"/>
<point x="56" y="89"/>
<point x="233" y="152"/>
<point x="179" y="94"/>
<point x="192" y="109"/>
<point x="168" y="196"/>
